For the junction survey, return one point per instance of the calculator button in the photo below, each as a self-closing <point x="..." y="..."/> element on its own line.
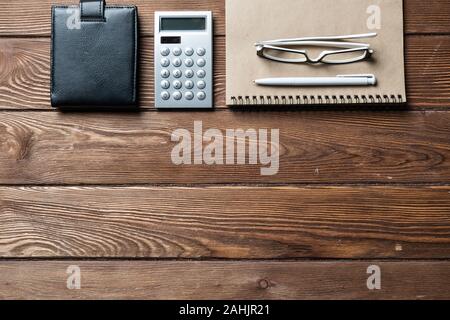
<point x="165" y="52"/>
<point x="165" y="95"/>
<point x="177" y="73"/>
<point x="201" y="51"/>
<point x="177" y="62"/>
<point x="189" y="52"/>
<point x="201" y="85"/>
<point x="165" y="84"/>
<point x="189" y="62"/>
<point x="177" y="52"/>
<point x="177" y="95"/>
<point x="165" y="73"/>
<point x="189" y="84"/>
<point x="201" y="95"/>
<point x="189" y="73"/>
<point x="201" y="73"/>
<point x="189" y="95"/>
<point x="177" y="84"/>
<point x="165" y="62"/>
<point x="201" y="62"/>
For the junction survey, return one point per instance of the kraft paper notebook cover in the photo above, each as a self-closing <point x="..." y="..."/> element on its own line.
<point x="251" y="21"/>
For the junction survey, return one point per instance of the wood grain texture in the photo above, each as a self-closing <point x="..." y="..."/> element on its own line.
<point x="255" y="223"/>
<point x="427" y="17"/>
<point x="224" y="280"/>
<point x="25" y="73"/>
<point x="427" y="63"/>
<point x="314" y="147"/>
<point x="32" y="17"/>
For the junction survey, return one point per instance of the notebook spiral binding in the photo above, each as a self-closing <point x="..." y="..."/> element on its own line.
<point x="316" y="100"/>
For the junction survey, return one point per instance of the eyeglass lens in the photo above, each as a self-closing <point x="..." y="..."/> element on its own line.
<point x="312" y="55"/>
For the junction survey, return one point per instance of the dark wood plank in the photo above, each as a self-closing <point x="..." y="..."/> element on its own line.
<point x="223" y="280"/>
<point x="427" y="61"/>
<point x="420" y="16"/>
<point x="255" y="223"/>
<point x="428" y="17"/>
<point x="25" y="76"/>
<point x="314" y="147"/>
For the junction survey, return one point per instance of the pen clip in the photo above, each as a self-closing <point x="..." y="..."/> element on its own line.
<point x="368" y="76"/>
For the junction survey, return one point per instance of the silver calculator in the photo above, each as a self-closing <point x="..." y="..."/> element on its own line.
<point x="184" y="59"/>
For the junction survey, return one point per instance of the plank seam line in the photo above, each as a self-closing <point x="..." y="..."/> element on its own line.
<point x="218" y="185"/>
<point x="229" y="260"/>
<point x="263" y="109"/>
<point x="427" y="34"/>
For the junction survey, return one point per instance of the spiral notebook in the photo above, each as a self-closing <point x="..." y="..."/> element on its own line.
<point x="251" y="21"/>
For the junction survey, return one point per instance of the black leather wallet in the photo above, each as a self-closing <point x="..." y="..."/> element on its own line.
<point x="94" y="55"/>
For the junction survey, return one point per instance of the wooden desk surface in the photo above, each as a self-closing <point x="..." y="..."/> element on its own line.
<point x="357" y="186"/>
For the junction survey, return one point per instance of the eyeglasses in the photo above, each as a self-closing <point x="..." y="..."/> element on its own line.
<point x="347" y="52"/>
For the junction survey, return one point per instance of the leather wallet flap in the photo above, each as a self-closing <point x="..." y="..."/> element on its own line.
<point x="92" y="10"/>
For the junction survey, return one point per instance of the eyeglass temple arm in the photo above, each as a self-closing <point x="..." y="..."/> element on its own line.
<point x="344" y="37"/>
<point x="338" y="44"/>
<point x="324" y="53"/>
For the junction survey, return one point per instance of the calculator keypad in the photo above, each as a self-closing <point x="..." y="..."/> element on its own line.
<point x="165" y="84"/>
<point x="183" y="60"/>
<point x="177" y="51"/>
<point x="189" y="95"/>
<point x="189" y="85"/>
<point x="171" y="61"/>
<point x="177" y="73"/>
<point x="177" y="84"/>
<point x="165" y="73"/>
<point x="189" y="73"/>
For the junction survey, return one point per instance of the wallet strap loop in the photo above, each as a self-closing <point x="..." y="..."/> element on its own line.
<point x="92" y="10"/>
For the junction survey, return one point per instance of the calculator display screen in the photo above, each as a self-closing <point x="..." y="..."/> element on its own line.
<point x="183" y="24"/>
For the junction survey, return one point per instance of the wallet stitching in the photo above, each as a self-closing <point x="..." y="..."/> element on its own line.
<point x="134" y="45"/>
